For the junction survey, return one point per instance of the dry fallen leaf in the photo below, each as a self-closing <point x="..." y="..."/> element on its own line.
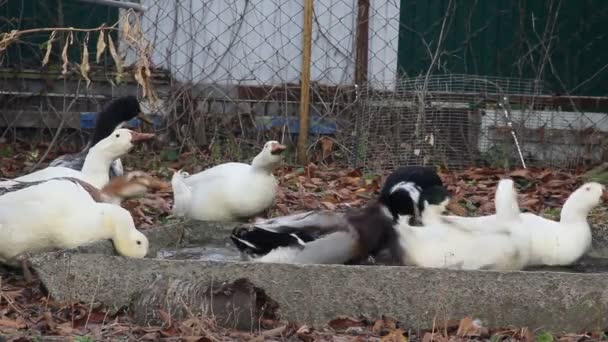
<point x="523" y="173"/>
<point x="470" y="327"/>
<point x="19" y="323"/>
<point x="327" y="145"/>
<point x="395" y="336"/>
<point x="342" y="323"/>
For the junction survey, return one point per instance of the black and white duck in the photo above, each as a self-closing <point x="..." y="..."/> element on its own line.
<point x="328" y="237"/>
<point x="114" y="115"/>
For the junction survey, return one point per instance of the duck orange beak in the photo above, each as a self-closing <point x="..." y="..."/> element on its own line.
<point x="137" y="136"/>
<point x="277" y="148"/>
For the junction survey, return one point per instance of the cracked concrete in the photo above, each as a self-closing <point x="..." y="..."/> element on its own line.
<point x="315" y="294"/>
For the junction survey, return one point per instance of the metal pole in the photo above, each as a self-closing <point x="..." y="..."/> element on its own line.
<point x="121" y="4"/>
<point x="305" y="83"/>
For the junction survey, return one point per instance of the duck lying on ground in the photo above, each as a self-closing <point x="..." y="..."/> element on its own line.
<point x="230" y="191"/>
<point x="114" y="115"/>
<point x="551" y="243"/>
<point x="446" y="243"/>
<point x="326" y="237"/>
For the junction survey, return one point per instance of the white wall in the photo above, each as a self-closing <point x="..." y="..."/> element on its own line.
<point x="225" y="41"/>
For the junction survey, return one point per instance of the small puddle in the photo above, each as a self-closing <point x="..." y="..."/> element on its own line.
<point x="202" y="253"/>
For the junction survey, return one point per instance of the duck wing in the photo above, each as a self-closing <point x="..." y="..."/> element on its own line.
<point x="45" y="174"/>
<point x="292" y="230"/>
<point x="73" y="161"/>
<point x="335" y="248"/>
<point x="95" y="193"/>
<point x="116" y="169"/>
<point x="182" y="195"/>
<point x="323" y="237"/>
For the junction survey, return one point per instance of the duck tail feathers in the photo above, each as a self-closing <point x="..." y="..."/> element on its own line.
<point x="254" y="240"/>
<point x="182" y="195"/>
<point x="507" y="208"/>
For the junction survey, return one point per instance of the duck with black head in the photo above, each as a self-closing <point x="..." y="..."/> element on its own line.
<point x="113" y="116"/>
<point x="329" y="237"/>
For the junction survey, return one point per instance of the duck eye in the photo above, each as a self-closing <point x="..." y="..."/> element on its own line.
<point x="588" y="188"/>
<point x="118" y="135"/>
<point x="138" y="242"/>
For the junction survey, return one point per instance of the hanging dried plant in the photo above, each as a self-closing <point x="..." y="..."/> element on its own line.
<point x="117" y="59"/>
<point x="64" y="53"/>
<point x="131" y="35"/>
<point x="49" y="47"/>
<point x="101" y="46"/>
<point x="84" y="64"/>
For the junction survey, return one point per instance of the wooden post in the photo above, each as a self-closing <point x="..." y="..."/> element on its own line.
<point x="362" y="43"/>
<point x="305" y="84"/>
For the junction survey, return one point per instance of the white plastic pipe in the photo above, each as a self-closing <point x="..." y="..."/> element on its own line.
<point x="121" y="4"/>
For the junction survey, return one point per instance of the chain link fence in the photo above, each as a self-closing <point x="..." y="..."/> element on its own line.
<point x="237" y="65"/>
<point x="392" y="82"/>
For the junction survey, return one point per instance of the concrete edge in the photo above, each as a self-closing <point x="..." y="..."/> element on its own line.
<point x="315" y="294"/>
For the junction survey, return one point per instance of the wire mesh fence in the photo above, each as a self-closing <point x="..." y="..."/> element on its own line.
<point x="462" y="120"/>
<point x="392" y="82"/>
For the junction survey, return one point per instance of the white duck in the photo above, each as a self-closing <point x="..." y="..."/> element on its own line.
<point x="230" y="191"/>
<point x="113" y="116"/>
<point x="97" y="161"/>
<point x="442" y="243"/>
<point x="553" y="243"/>
<point x="60" y="213"/>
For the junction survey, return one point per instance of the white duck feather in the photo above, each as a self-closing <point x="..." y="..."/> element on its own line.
<point x="58" y="214"/>
<point x="444" y="243"/>
<point x="552" y="243"/>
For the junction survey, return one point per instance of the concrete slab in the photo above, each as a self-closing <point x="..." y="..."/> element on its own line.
<point x="556" y="301"/>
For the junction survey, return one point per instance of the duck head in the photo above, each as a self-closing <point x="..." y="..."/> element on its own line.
<point x="127" y="240"/>
<point x="401" y="199"/>
<point x="120" y="142"/>
<point x="581" y="201"/>
<point x="270" y="156"/>
<point x="118" y="111"/>
<point x="408" y="199"/>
